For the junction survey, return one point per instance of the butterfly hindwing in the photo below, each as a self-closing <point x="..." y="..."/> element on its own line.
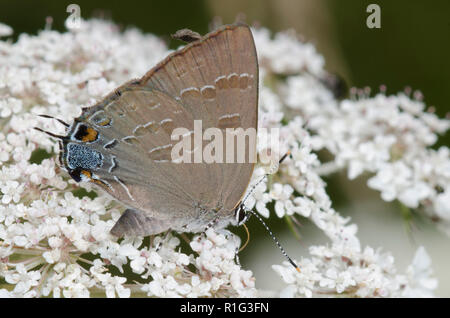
<point x="135" y="223"/>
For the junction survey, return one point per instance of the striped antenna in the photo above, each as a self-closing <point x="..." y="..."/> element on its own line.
<point x="272" y="170"/>
<point x="275" y="240"/>
<point x="51" y="117"/>
<point x="262" y="221"/>
<point x="51" y="134"/>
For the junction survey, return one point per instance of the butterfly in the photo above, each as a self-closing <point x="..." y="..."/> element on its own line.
<point x="123" y="143"/>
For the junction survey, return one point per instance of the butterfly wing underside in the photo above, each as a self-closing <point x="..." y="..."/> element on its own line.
<point x="213" y="80"/>
<point x="216" y="80"/>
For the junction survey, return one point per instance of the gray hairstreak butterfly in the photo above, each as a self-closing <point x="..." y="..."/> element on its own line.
<point x="123" y="143"/>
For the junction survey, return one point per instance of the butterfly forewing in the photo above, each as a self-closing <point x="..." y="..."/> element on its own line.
<point x="216" y="80"/>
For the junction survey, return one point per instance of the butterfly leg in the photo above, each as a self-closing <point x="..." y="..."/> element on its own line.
<point x="162" y="240"/>
<point x="136" y="223"/>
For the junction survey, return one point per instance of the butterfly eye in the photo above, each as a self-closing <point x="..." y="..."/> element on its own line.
<point x="241" y="214"/>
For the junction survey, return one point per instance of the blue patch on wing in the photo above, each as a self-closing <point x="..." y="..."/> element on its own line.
<point x="80" y="156"/>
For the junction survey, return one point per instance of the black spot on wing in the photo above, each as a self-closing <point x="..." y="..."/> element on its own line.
<point x="75" y="174"/>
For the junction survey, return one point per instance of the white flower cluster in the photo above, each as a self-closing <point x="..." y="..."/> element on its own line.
<point x="354" y="273"/>
<point x="5" y="30"/>
<point x="217" y="274"/>
<point x="389" y="137"/>
<point x="364" y="134"/>
<point x="54" y="243"/>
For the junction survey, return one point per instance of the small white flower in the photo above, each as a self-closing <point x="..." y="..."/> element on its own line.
<point x="11" y="191"/>
<point x="419" y="275"/>
<point x="281" y="194"/>
<point x="100" y="87"/>
<point x="52" y="256"/>
<point x="5" y="30"/>
<point x="22" y="279"/>
<point x="390" y="179"/>
<point x="413" y="195"/>
<point x="10" y="106"/>
<point x="442" y="204"/>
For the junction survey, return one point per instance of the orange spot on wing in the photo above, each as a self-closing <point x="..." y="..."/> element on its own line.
<point x="87" y="173"/>
<point x="98" y="182"/>
<point x="91" y="135"/>
<point x="94" y="179"/>
<point x="105" y="122"/>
